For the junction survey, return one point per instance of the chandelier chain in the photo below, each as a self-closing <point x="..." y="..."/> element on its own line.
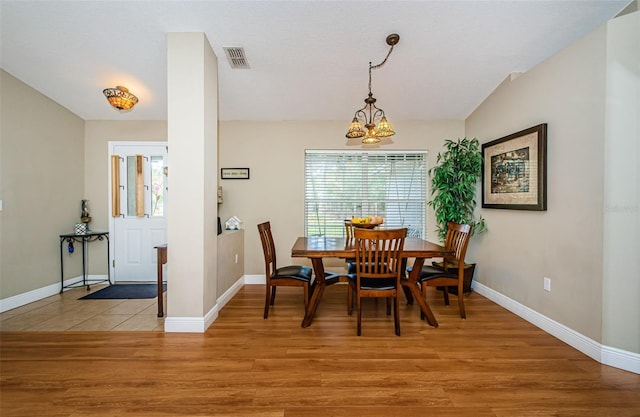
<point x="379" y="65"/>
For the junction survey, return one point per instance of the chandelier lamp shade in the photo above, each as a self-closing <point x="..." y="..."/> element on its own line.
<point x="120" y="98"/>
<point x="373" y="119"/>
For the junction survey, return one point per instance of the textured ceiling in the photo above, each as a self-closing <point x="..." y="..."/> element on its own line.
<point x="308" y="60"/>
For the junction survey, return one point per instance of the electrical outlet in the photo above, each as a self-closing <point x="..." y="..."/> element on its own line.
<point x="236" y="258"/>
<point x="547" y="284"/>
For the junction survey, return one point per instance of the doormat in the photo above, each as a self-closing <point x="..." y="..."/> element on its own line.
<point x="125" y="292"/>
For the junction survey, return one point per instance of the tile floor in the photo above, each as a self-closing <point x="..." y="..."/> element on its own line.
<point x="64" y="312"/>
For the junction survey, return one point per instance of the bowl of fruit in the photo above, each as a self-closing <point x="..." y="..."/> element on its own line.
<point x="367" y="222"/>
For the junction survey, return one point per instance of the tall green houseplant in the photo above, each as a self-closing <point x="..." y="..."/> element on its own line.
<point x="453" y="184"/>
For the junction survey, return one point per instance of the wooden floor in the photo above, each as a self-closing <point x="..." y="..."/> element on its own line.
<point x="492" y="364"/>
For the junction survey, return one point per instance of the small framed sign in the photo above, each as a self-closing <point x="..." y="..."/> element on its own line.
<point x="234" y="173"/>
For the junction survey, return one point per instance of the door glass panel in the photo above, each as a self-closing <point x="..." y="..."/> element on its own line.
<point x="157" y="186"/>
<point x="131" y="185"/>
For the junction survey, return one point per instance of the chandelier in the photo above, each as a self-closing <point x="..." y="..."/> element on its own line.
<point x="120" y="98"/>
<point x="375" y="122"/>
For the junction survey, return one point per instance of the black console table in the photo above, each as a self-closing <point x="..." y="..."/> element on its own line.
<point x="84" y="239"/>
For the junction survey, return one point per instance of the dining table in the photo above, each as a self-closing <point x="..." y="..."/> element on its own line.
<point x="316" y="249"/>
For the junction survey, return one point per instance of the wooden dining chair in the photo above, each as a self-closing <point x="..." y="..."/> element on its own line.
<point x="351" y="264"/>
<point x="452" y="272"/>
<point x="348" y="234"/>
<point x="378" y="269"/>
<point x="286" y="276"/>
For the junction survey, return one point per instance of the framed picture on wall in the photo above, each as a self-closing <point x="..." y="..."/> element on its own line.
<point x="514" y="173"/>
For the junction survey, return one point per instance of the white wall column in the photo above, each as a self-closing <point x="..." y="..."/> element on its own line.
<point x="192" y="95"/>
<point x="620" y="287"/>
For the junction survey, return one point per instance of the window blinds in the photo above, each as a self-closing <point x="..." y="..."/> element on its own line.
<point x="343" y="184"/>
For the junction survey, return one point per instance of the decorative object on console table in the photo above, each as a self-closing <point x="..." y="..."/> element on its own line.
<point x="233" y="223"/>
<point x="80" y="228"/>
<point x="85" y="217"/>
<point x="515" y="171"/>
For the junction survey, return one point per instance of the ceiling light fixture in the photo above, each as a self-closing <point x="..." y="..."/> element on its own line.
<point x="376" y="124"/>
<point x="120" y="98"/>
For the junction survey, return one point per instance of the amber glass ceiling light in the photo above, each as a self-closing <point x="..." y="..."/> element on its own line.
<point x="373" y="118"/>
<point x="120" y="98"/>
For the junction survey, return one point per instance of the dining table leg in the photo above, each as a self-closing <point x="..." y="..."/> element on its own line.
<point x="405" y="288"/>
<point x="414" y="288"/>
<point x="318" y="269"/>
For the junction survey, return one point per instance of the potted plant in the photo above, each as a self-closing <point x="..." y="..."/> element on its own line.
<point x="453" y="189"/>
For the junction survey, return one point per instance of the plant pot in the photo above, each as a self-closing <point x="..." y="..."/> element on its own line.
<point x="469" y="270"/>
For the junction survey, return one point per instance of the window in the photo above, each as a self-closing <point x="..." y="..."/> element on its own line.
<point x="343" y="184"/>
<point x="157" y="186"/>
<point x="153" y="197"/>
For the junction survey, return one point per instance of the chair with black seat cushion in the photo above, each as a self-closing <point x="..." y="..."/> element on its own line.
<point x="351" y="265"/>
<point x="452" y="273"/>
<point x="378" y="268"/>
<point x="286" y="276"/>
<point x="351" y="262"/>
<point x="348" y="233"/>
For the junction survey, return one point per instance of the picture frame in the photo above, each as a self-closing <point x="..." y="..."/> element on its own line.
<point x="514" y="171"/>
<point x="234" y="173"/>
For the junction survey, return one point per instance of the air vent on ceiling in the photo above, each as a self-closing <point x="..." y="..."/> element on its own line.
<point x="236" y="57"/>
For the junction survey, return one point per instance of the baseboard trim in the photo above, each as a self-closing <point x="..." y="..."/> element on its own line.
<point x="622" y="359"/>
<point x="184" y="325"/>
<point x="231" y="292"/>
<point x="38" y="294"/>
<point x="606" y="355"/>
<point x="255" y="279"/>
<point x="198" y="324"/>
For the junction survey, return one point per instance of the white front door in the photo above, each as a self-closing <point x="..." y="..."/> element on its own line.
<point x="139" y="223"/>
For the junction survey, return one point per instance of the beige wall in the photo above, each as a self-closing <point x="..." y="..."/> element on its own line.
<point x="41" y="185"/>
<point x="274" y="152"/>
<point x="230" y="246"/>
<point x="564" y="243"/>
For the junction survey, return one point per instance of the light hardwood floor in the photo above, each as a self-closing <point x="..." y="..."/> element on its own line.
<point x="492" y="364"/>
<point x="65" y="312"/>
